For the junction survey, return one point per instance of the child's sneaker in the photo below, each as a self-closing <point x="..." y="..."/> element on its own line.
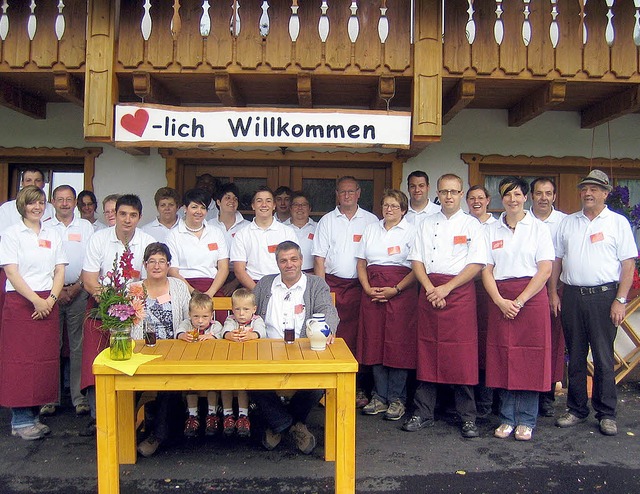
<point x="192" y="426"/>
<point x="229" y="425"/>
<point x="243" y="426"/>
<point x="212" y="425"/>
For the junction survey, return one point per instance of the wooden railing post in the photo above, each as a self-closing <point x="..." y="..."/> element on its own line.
<point x="101" y="85"/>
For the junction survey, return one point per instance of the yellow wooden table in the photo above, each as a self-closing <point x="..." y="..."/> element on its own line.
<point x="220" y="365"/>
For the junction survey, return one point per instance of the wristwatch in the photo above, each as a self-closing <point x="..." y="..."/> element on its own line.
<point x="622" y="300"/>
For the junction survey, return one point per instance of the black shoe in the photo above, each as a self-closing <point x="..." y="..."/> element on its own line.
<point x="546" y="411"/>
<point x="469" y="430"/>
<point x="89" y="430"/>
<point x="415" y="423"/>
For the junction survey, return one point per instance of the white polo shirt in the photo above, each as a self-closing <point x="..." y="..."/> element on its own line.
<point x="257" y="247"/>
<point x="104" y="246"/>
<point x="417" y="217"/>
<point x="98" y="225"/>
<point x="337" y="238"/>
<point x="285" y="306"/>
<point x="591" y="251"/>
<point x="387" y="248"/>
<point x="9" y="214"/>
<point x="516" y="255"/>
<point x="36" y="255"/>
<point x="75" y="239"/>
<point x="446" y="246"/>
<point x="197" y="257"/>
<point x="553" y="220"/>
<point x="238" y="224"/>
<point x="305" y="241"/>
<point x="158" y="231"/>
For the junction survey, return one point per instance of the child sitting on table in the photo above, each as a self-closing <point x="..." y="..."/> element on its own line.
<point x="200" y="326"/>
<point x="243" y="325"/>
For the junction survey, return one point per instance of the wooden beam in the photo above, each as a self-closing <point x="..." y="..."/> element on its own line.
<point x="227" y="91"/>
<point x="305" y="97"/>
<point x="603" y="111"/>
<point x="133" y="151"/>
<point x="458" y="98"/>
<point x="150" y="90"/>
<point x="386" y="92"/>
<point x="538" y="102"/>
<point x="22" y="102"/>
<point x="69" y="87"/>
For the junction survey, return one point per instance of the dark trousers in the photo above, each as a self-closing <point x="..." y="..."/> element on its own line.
<point x="586" y="322"/>
<point x="424" y="401"/>
<point x="483" y="396"/>
<point x="279" y="416"/>
<point x="159" y="412"/>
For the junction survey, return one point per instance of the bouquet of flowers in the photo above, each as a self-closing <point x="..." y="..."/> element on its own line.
<point x="121" y="305"/>
<point x="618" y="201"/>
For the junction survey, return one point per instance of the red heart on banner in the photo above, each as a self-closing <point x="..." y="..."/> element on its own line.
<point x="135" y="123"/>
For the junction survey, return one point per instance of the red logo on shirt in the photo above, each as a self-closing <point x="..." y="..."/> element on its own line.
<point x="497" y="244"/>
<point x="597" y="237"/>
<point x="213" y="246"/>
<point x="44" y="243"/>
<point x="393" y="250"/>
<point x="310" y="236"/>
<point x="459" y="239"/>
<point x="272" y="249"/>
<point x="357" y="238"/>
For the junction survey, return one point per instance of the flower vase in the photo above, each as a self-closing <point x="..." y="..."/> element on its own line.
<point x="120" y="344"/>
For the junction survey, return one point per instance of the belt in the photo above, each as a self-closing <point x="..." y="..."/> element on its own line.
<point x="592" y="290"/>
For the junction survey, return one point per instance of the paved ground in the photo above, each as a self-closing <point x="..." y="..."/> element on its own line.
<point x="435" y="460"/>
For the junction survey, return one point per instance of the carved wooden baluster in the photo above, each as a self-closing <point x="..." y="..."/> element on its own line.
<point x="353" y="26"/>
<point x="234" y="23"/>
<point x="583" y="15"/>
<point x="383" y="23"/>
<point x="470" y="29"/>
<point x="32" y="24"/>
<point x="60" y="23"/>
<point x="176" y="21"/>
<point x="323" y="23"/>
<point x="636" y="26"/>
<point x="294" y="21"/>
<point x="526" y="25"/>
<point x="554" y="30"/>
<point x="498" y="27"/>
<point x="146" y="24"/>
<point x="4" y="21"/>
<point x="205" y="20"/>
<point x="264" y="19"/>
<point x="609" y="33"/>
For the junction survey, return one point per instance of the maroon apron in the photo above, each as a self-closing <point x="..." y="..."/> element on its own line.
<point x="519" y="350"/>
<point x="94" y="340"/>
<point x="448" y="338"/>
<point x="557" y="347"/>
<point x="482" y="302"/>
<point x="202" y="285"/>
<point x="3" y="283"/>
<point x="29" y="354"/>
<point x="387" y="331"/>
<point x="348" y="292"/>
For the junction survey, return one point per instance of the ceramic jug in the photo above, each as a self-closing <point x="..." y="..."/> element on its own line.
<point x="317" y="332"/>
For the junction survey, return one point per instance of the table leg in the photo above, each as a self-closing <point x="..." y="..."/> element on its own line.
<point x="107" y="435"/>
<point x="330" y="424"/>
<point x="346" y="434"/>
<point x="126" y="428"/>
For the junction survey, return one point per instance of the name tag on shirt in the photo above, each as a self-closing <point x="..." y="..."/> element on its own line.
<point x="597" y="237"/>
<point x="213" y="246"/>
<point x="272" y="249"/>
<point x="298" y="309"/>
<point x="75" y="237"/>
<point x="357" y="238"/>
<point x="497" y="244"/>
<point x="44" y="243"/>
<point x="393" y="250"/>
<point x="459" y="239"/>
<point x="163" y="299"/>
<point x="310" y="236"/>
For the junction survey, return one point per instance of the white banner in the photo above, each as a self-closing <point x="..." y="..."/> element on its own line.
<point x="166" y="126"/>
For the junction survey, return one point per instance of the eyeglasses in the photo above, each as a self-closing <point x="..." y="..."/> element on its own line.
<point x="447" y="192"/>
<point x="160" y="262"/>
<point x="87" y="204"/>
<point x="393" y="207"/>
<point x="300" y="205"/>
<point x="347" y="192"/>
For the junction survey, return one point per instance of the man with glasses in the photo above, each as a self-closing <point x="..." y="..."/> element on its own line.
<point x="419" y="204"/>
<point x="448" y="253"/>
<point x="304" y="227"/>
<point x="335" y="245"/>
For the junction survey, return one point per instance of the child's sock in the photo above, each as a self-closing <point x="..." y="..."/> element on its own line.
<point x="243" y="411"/>
<point x="193" y="411"/>
<point x="228" y="411"/>
<point x="212" y="409"/>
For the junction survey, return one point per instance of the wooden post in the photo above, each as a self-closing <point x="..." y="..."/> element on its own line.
<point x="101" y="85"/>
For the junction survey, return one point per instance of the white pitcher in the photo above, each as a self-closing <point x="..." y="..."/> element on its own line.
<point x="318" y="332"/>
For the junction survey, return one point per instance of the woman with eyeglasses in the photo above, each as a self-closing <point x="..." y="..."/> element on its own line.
<point x="520" y="255"/>
<point x="387" y="324"/>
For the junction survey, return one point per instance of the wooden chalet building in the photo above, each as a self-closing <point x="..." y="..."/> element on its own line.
<point x="492" y="87"/>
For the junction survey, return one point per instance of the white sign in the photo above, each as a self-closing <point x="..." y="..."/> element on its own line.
<point x="164" y="126"/>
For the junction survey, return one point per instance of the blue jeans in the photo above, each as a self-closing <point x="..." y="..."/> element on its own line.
<point x="390" y="384"/>
<point x="518" y="407"/>
<point x="24" y="417"/>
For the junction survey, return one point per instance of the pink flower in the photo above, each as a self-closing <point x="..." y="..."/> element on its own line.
<point x="121" y="311"/>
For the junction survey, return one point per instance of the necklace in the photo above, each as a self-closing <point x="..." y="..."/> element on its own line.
<point x="512" y="228"/>
<point x="194" y="230"/>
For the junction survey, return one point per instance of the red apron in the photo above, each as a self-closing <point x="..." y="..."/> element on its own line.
<point x="482" y="303"/>
<point x="519" y="350"/>
<point x="348" y="292"/>
<point x="94" y="340"/>
<point x="387" y="331"/>
<point x="448" y="338"/>
<point x="202" y="285"/>
<point x="29" y="354"/>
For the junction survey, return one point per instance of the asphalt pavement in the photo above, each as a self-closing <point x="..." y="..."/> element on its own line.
<point x="435" y="460"/>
